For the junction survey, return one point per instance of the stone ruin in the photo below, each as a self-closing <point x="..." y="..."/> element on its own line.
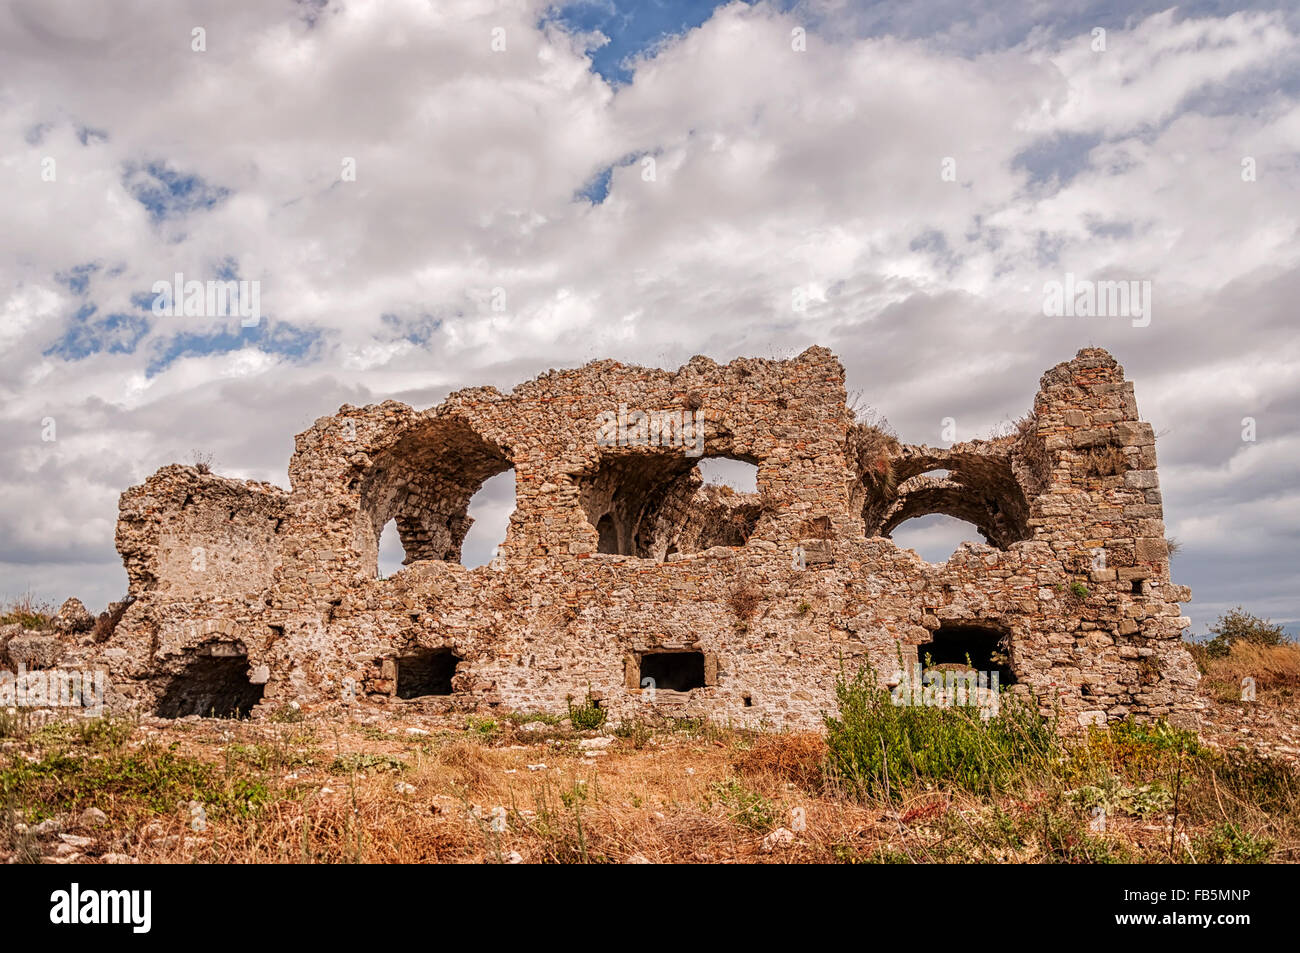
<point x="626" y="580"/>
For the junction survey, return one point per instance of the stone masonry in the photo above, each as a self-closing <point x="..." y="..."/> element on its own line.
<point x="625" y="578"/>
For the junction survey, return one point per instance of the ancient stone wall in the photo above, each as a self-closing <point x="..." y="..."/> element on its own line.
<point x="619" y="566"/>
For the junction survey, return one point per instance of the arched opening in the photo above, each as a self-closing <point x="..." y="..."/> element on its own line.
<point x="972" y="486"/>
<point x="424" y="482"/>
<point x="935" y="537"/>
<point x="740" y="476"/>
<point x="608" y="534"/>
<point x="967" y="647"/>
<point x="213" y="684"/>
<point x="489" y="512"/>
<point x="653" y="505"/>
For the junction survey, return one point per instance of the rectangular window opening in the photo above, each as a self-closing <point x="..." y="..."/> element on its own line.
<point x="426" y="672"/>
<point x="672" y="671"/>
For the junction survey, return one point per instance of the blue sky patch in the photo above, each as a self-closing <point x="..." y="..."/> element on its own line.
<point x="88" y="334"/>
<point x="167" y="193"/>
<point x="87" y="135"/>
<point x="270" y="337"/>
<point x="418" y="330"/>
<point x="1057" y="158"/>
<point x="597" y="188"/>
<point x="633" y="26"/>
<point x="77" y="278"/>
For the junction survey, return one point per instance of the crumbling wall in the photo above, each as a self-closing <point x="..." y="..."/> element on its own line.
<point x="616" y="553"/>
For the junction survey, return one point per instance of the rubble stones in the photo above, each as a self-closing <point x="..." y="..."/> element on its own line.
<point x="73" y="618"/>
<point x="34" y="650"/>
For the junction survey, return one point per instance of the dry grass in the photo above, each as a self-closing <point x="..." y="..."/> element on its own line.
<point x="744" y="600"/>
<point x="473" y="790"/>
<point x="28" y="611"/>
<point x="1106" y="460"/>
<point x="793" y="758"/>
<point x="1275" y="669"/>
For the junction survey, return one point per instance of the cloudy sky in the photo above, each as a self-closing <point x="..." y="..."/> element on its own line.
<point x="442" y="194"/>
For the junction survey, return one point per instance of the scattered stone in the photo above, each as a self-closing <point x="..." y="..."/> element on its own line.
<point x="402" y="787"/>
<point x="92" y="817"/>
<point x="73" y="618"/>
<point x="35" y="651"/>
<point x="781" y="837"/>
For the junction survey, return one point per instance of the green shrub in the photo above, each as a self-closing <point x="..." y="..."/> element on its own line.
<point x="879" y="748"/>
<point x="746" y="807"/>
<point x="360" y="761"/>
<point x="483" y="727"/>
<point x="588" y="716"/>
<point x="1229" y="844"/>
<point x="1138" y="752"/>
<point x="527" y="717"/>
<point x="636" y="731"/>
<point x="155" y="780"/>
<point x="1240" y="626"/>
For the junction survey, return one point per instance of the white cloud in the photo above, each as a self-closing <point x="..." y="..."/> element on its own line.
<point x="774" y="170"/>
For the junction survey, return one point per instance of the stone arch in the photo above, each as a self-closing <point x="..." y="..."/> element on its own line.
<point x="424" y="481"/>
<point x="979" y="487"/>
<point x="652" y="503"/>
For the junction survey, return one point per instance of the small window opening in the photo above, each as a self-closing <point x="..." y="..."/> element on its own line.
<point x="673" y="671"/>
<point x="968" y="647"/>
<point x="426" y="672"/>
<point x="1137" y="587"/>
<point x="212" y="686"/>
<point x="747" y="700"/>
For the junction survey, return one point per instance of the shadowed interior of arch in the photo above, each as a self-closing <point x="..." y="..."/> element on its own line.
<point x="654" y="505"/>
